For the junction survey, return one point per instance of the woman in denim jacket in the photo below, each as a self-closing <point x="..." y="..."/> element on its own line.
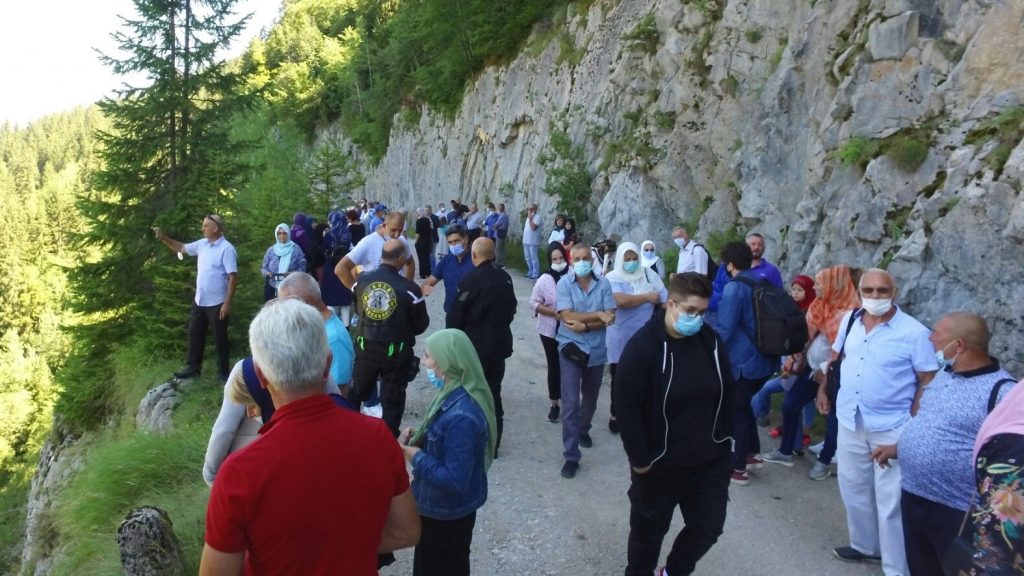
<point x="450" y="454"/>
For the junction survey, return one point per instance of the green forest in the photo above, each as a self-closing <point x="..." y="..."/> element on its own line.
<point x="93" y="310"/>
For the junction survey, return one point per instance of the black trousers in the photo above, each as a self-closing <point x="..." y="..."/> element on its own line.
<point x="928" y="530"/>
<point x="494" y="373"/>
<point x="392" y="363"/>
<point x="554" y="371"/>
<point x="423" y="255"/>
<point x="444" y="545"/>
<point x="199" y="320"/>
<point x="701" y="492"/>
<point x="612" y="368"/>
<point x="745" y="431"/>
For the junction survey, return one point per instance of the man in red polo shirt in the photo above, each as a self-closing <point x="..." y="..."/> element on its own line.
<point x="276" y="506"/>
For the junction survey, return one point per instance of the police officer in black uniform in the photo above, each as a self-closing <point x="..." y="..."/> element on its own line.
<point x="484" y="308"/>
<point x="391" y="314"/>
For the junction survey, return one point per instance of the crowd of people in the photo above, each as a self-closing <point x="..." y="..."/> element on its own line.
<point x="925" y="424"/>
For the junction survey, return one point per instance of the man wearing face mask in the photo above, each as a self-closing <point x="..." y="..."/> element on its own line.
<point x="935" y="448"/>
<point x="456" y="264"/>
<point x="887" y="361"/>
<point x="692" y="256"/>
<point x="674" y="404"/>
<point x="585" y="307"/>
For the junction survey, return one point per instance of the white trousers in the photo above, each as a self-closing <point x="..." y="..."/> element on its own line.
<point x="872" y="496"/>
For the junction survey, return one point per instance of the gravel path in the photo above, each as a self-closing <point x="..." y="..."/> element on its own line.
<point x="535" y="523"/>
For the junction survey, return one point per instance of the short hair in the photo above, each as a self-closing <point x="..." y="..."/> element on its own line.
<point x="885" y="273"/>
<point x="689" y="284"/>
<point x="397" y="214"/>
<point x="971" y="328"/>
<point x="218" y="221"/>
<point x="239" y="393"/>
<point x="302" y="286"/>
<point x="456" y="229"/>
<point x="754" y="235"/>
<point x="289" y="345"/>
<point x="738" y="254"/>
<point x="581" y="247"/>
<point x="679" y="229"/>
<point x="392" y="250"/>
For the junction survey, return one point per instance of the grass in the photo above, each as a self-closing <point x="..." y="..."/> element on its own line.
<point x="907" y="149"/>
<point x="754" y="35"/>
<point x="1007" y="129"/>
<point x="13" y="498"/>
<point x="644" y="36"/>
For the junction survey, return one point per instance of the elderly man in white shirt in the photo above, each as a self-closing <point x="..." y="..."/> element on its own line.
<point x="693" y="257"/>
<point x="216" y="279"/>
<point x="887" y="361"/>
<point x="366" y="254"/>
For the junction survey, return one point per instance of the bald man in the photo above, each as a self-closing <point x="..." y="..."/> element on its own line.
<point x="484" y="307"/>
<point x="935" y="448"/>
<point x="304" y="287"/>
<point x="887" y="360"/>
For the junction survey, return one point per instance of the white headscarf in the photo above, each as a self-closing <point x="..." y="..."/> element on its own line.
<point x="645" y="261"/>
<point x="638" y="279"/>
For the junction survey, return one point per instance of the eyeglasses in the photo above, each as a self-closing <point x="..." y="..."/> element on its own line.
<point x="689" y="311"/>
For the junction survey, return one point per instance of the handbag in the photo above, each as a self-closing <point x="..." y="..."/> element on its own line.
<point x="959" y="557"/>
<point x="575" y="355"/>
<point x="834" y="368"/>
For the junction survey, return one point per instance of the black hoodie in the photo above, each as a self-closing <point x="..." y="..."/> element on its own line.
<point x="674" y="397"/>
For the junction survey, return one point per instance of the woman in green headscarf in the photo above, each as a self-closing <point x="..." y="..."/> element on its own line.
<point x="450" y="454"/>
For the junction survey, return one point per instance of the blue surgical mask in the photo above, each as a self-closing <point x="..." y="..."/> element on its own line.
<point x="688" y="325"/>
<point x="944" y="362"/>
<point x="435" y="380"/>
<point x="649" y="253"/>
<point x="631" y="267"/>
<point x="457" y="250"/>
<point x="582" y="268"/>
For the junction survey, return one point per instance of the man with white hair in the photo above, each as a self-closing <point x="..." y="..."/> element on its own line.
<point x="273" y="508"/>
<point x="887" y="359"/>
<point x="304" y="287"/>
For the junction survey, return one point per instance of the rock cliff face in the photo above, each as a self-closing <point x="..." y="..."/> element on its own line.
<point x="859" y="132"/>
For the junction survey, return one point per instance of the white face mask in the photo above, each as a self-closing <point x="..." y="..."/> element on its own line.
<point x="877" y="306"/>
<point x="560" y="267"/>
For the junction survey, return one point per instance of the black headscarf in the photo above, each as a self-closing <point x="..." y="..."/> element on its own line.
<point x="551" y="250"/>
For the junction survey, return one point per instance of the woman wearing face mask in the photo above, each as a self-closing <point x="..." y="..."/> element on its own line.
<point x="450" y="454"/>
<point x="281" y="259"/>
<point x="637" y="291"/>
<point x="649" y="258"/>
<point x="543" y="301"/>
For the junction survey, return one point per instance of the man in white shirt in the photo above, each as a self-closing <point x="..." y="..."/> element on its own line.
<point x="531" y="241"/>
<point x="216" y="279"/>
<point x="366" y="254"/>
<point x="474" y="220"/>
<point x="887" y="361"/>
<point x="692" y="256"/>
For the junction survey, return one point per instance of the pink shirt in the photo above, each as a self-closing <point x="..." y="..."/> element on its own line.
<point x="544" y="294"/>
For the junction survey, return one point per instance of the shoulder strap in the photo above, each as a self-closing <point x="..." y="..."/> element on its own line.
<point x="994" y="395"/>
<point x="849" y="326"/>
<point x="744" y="280"/>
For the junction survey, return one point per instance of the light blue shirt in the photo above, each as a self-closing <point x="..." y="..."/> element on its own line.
<point x="570" y="296"/>
<point x="629" y="320"/>
<point x="936" y="447"/>
<point x="879" y="372"/>
<point x="217" y="260"/>
<point x="340" y="343"/>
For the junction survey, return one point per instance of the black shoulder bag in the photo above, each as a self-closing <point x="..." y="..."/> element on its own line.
<point x="832" y="375"/>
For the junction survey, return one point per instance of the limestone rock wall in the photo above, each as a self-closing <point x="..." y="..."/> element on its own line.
<point x="736" y="113"/>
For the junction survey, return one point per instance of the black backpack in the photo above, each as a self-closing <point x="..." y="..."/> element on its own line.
<point x="712" y="267"/>
<point x="781" y="327"/>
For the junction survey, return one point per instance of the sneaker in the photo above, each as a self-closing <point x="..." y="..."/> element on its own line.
<point x="740" y="477"/>
<point x="816" y="448"/>
<point x="554" y="413"/>
<point x="187" y="372"/>
<point x="569" y="469"/>
<point x="851" y="554"/>
<point x="754" y="462"/>
<point x="776" y="432"/>
<point x="798" y="452"/>
<point x="763" y="421"/>
<point x="776" y="457"/>
<point x="586" y="441"/>
<point x="820" y="471"/>
<point x="613" y="425"/>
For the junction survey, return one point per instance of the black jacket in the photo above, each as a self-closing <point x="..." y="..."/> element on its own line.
<point x="484" y="307"/>
<point x="389" y="307"/>
<point x="644" y="375"/>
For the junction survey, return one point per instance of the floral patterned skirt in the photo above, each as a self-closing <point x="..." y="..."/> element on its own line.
<point x="998" y="517"/>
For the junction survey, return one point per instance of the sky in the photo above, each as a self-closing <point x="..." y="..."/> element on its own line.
<point x="47" y="61"/>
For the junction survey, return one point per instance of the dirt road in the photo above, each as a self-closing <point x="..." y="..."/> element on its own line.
<point x="536" y="523"/>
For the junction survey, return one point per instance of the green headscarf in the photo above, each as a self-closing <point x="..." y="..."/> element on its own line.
<point x="457" y="360"/>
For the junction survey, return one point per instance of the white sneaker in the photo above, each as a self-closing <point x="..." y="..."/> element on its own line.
<point x="816" y="448"/>
<point x="376" y="411"/>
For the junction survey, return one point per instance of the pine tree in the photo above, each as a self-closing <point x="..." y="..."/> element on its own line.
<point x="167" y="160"/>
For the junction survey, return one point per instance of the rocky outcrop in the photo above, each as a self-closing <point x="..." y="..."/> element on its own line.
<point x="757" y="115"/>
<point x="157" y="407"/>
<point x="148" y="544"/>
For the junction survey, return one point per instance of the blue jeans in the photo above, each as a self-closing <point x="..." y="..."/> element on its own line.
<point x="532" y="260"/>
<point x="580" y="387"/>
<point x="762" y="403"/>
